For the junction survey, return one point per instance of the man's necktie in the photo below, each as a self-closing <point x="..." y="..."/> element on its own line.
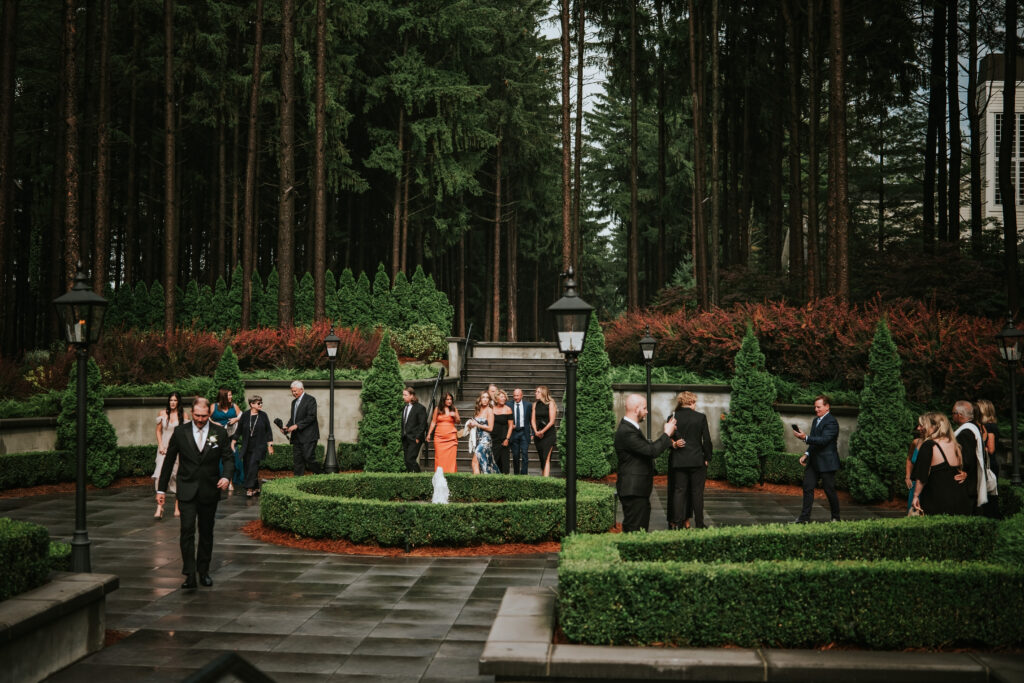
<point x="519" y="415"/>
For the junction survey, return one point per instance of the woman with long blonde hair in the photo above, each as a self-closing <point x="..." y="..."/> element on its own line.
<point x="543" y="422"/>
<point x="939" y="477"/>
<point x="480" y="436"/>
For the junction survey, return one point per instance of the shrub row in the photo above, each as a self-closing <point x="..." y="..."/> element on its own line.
<point x="24" y="556"/>
<point x="53" y="467"/>
<point x="394" y="509"/>
<point x="935" y="538"/>
<point x="879" y="603"/>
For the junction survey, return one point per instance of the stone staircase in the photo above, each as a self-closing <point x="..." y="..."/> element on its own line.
<point x="508" y="373"/>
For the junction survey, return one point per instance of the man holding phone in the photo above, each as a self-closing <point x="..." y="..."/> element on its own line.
<point x="821" y="459"/>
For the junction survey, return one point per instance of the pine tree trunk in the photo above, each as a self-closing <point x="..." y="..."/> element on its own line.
<point x="716" y="194"/>
<point x="513" y="279"/>
<point x="936" y="116"/>
<point x="101" y="242"/>
<point x="633" y="248"/>
<point x="577" y="183"/>
<point x="286" y="200"/>
<point x="839" y="183"/>
<point x="662" y="257"/>
<point x="171" y="245"/>
<point x="396" y="225"/>
<point x="566" y="167"/>
<point x="71" y="252"/>
<point x="406" y="174"/>
<point x="222" y="195"/>
<point x="496" y="271"/>
<point x="813" y="168"/>
<point x="132" y="184"/>
<point x="461" y="303"/>
<point x="320" y="168"/>
<point x="249" y="201"/>
<point x="974" y="121"/>
<point x="953" y="90"/>
<point x="6" y="147"/>
<point x="796" y="226"/>
<point x="1006" y="147"/>
<point x="699" y="232"/>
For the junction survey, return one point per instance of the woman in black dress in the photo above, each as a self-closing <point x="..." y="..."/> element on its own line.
<point x="257" y="440"/>
<point x="502" y="431"/>
<point x="543" y="423"/>
<point x="938" y="472"/>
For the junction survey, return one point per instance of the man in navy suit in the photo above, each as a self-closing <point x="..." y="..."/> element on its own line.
<point x="200" y="447"/>
<point x="519" y="444"/>
<point x="414" y="429"/>
<point x="821" y="459"/>
<point x="303" y="430"/>
<point x="636" y="463"/>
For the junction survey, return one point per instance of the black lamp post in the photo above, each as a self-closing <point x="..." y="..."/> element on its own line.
<point x="647" y="344"/>
<point x="80" y="312"/>
<point x="331" y="343"/>
<point x="1010" y="339"/>
<point x="572" y="315"/>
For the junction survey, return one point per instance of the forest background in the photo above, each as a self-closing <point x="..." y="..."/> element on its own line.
<point x="740" y="152"/>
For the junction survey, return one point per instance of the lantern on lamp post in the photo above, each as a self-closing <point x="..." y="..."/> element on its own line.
<point x="1010" y="340"/>
<point x="572" y="316"/>
<point x="80" y="313"/>
<point x="331" y="344"/>
<point x="647" y="345"/>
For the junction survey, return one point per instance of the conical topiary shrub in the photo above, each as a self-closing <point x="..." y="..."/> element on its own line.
<point x="227" y="375"/>
<point x="595" y="409"/>
<point x="752" y="429"/>
<point x="102" y="461"/>
<point x="878" y="448"/>
<point x="380" y="430"/>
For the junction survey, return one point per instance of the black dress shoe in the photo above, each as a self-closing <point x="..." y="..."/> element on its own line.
<point x="205" y="580"/>
<point x="190" y="582"/>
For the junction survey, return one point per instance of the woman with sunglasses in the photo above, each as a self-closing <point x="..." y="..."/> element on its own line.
<point x="257" y="440"/>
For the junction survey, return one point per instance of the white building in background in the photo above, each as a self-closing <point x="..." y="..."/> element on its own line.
<point x="990" y="108"/>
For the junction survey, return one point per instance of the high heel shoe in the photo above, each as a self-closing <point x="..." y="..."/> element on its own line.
<point x="159" y="514"/>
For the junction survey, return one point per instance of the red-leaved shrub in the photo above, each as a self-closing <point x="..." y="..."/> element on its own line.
<point x="263" y="348"/>
<point x="946" y="356"/>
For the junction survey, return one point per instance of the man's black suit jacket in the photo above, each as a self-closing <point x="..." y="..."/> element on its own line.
<point x="693" y="428"/>
<point x="198" y="472"/>
<point x="415" y="427"/>
<point x="823" y="444"/>
<point x="305" y="418"/>
<point x="636" y="459"/>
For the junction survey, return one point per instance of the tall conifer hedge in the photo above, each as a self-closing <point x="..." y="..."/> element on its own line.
<point x="228" y="375"/>
<point x="595" y="409"/>
<point x="380" y="430"/>
<point x="752" y="429"/>
<point x="878" y="449"/>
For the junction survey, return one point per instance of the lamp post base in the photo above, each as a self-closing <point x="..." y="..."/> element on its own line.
<point x="80" y="561"/>
<point x="331" y="457"/>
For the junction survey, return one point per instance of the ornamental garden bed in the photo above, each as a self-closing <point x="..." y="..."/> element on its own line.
<point x="881" y="584"/>
<point x="385" y="509"/>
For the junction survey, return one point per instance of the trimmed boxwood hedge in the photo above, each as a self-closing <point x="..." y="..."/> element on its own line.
<point x="948" y="597"/>
<point x="24" y="556"/>
<point x="394" y="509"/>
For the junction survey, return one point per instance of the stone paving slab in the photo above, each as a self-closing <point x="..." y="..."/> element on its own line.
<point x="312" y="616"/>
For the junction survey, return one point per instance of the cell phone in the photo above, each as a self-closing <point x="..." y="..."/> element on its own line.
<point x="795" y="428"/>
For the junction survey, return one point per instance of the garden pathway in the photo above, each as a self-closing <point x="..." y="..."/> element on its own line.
<point x="309" y="616"/>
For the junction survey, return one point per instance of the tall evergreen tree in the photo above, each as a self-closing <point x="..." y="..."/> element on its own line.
<point x="332" y="307"/>
<point x="878" y="446"/>
<point x="219" y="315"/>
<point x="362" y="303"/>
<point x="380" y="429"/>
<point x="385" y="310"/>
<point x="102" y="460"/>
<point x="233" y="313"/>
<point x="268" y="301"/>
<point x="304" y="300"/>
<point x="595" y="408"/>
<point x="154" y="317"/>
<point x="752" y="429"/>
<point x="228" y="376"/>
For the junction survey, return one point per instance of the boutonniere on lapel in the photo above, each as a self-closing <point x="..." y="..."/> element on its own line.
<point x="212" y="441"/>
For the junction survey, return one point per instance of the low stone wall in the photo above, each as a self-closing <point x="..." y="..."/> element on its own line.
<point x="48" y="628"/>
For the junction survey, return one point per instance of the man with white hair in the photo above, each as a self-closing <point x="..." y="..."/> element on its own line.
<point x="972" y="453"/>
<point x="303" y="430"/>
<point x="636" y="463"/>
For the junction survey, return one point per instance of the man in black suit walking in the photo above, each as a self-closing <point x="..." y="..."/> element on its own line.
<point x="414" y="428"/>
<point x="691" y="455"/>
<point x="521" y="433"/>
<point x="200" y="448"/>
<point x="303" y="430"/>
<point x="636" y="463"/>
<point x="821" y="459"/>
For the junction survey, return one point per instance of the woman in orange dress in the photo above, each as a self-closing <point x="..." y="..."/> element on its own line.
<point x="444" y="431"/>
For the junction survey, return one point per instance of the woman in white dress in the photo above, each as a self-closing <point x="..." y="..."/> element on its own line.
<point x="169" y="418"/>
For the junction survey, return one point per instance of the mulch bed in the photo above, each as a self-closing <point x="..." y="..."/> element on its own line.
<point x="258" y="531"/>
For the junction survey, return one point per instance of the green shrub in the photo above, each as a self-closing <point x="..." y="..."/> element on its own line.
<point x="380" y="429"/>
<point x="24" y="556"/>
<point x="388" y="509"/>
<point x="304" y="300"/>
<point x="332" y="307"/>
<point x="385" y="310"/>
<point x="136" y="461"/>
<point x="878" y="446"/>
<point x="227" y="375"/>
<point x="233" y="310"/>
<point x="666" y="374"/>
<point x="595" y="412"/>
<point x="266" y="302"/>
<point x="60" y="556"/>
<point x="430" y="304"/>
<point x="100" y="437"/>
<point x="420" y="341"/>
<point x="752" y="428"/>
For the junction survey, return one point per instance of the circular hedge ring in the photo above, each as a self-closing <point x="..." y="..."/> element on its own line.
<point x="395" y="509"/>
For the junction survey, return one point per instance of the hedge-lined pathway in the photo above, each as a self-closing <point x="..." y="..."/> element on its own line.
<point x="307" y="616"/>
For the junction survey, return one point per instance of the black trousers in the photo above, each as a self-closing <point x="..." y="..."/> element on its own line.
<point x="636" y="513"/>
<point x="411" y="452"/>
<point x="688" y="495"/>
<point x="303" y="457"/>
<point x="193" y="514"/>
<point x="252" y="460"/>
<point x="519" y="447"/>
<point x="828" y="482"/>
<point x="501" y="454"/>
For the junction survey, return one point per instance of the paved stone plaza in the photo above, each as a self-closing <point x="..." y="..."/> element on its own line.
<point x="308" y="616"/>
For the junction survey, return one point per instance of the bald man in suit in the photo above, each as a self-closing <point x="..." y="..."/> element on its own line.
<point x="636" y="464"/>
